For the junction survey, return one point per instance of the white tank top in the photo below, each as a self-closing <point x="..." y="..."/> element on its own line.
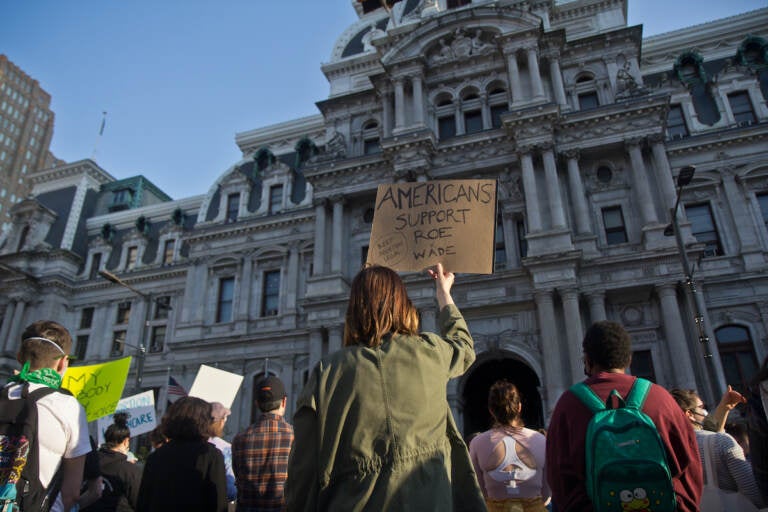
<point x="520" y="473"/>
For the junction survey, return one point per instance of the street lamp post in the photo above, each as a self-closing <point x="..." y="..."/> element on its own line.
<point x="141" y="350"/>
<point x="684" y="177"/>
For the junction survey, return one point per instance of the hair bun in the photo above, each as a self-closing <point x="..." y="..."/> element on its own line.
<point x="121" y="419"/>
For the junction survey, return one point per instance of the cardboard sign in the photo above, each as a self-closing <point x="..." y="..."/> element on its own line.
<point x="98" y="387"/>
<point x="416" y="225"/>
<point x="214" y="385"/>
<point x="143" y="417"/>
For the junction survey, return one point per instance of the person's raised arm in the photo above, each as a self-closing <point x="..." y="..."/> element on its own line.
<point x="443" y="283"/>
<point x="717" y="419"/>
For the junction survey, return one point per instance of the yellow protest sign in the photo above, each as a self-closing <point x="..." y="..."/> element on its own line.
<point x="416" y="225"/>
<point x="98" y="387"/>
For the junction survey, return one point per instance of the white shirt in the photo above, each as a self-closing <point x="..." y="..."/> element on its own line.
<point x="62" y="431"/>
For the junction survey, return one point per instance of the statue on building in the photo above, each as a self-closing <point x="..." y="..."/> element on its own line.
<point x="336" y="145"/>
<point x="461" y="45"/>
<point x="374" y="33"/>
<point x="626" y="85"/>
<point x="444" y="54"/>
<point x="479" y="47"/>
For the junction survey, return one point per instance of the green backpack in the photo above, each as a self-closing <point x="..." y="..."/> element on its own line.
<point x="627" y="465"/>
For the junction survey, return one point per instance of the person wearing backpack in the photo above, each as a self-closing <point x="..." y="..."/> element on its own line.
<point x="607" y="353"/>
<point x="56" y="426"/>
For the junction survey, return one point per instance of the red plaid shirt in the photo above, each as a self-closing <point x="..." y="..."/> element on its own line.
<point x="260" y="462"/>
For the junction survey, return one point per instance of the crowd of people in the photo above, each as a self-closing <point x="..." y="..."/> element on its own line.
<point x="373" y="431"/>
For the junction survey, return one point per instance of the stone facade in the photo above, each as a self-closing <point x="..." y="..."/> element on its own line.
<point x="585" y="126"/>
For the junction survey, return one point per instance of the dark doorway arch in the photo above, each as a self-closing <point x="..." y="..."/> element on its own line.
<point x="476" y="415"/>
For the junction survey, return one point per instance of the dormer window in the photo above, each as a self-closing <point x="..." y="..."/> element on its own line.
<point x="275" y="199"/>
<point x="121" y="199"/>
<point x="233" y="207"/>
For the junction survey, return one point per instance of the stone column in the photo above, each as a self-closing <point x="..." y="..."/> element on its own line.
<point x="531" y="194"/>
<point x="335" y="335"/>
<point x="461" y="128"/>
<point x="737" y="202"/>
<point x="318" y="258"/>
<point x="640" y="181"/>
<point x="674" y="332"/>
<point x="485" y="111"/>
<point x="533" y="67"/>
<point x="418" y="101"/>
<point x="514" y="77"/>
<point x="337" y="250"/>
<point x="579" y="197"/>
<point x="386" y="112"/>
<point x="245" y="289"/>
<point x="7" y="343"/>
<point x="292" y="284"/>
<point x="554" y="380"/>
<point x="553" y="189"/>
<point x="17" y="323"/>
<point x="574" y="331"/>
<point x="597" y="306"/>
<point x="664" y="173"/>
<point x="399" y="104"/>
<point x="557" y="80"/>
<point x="315" y="347"/>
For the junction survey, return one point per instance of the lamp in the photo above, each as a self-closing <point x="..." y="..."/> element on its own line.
<point x="684" y="177"/>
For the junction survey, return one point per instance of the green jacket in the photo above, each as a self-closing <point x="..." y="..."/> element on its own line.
<point x="373" y="430"/>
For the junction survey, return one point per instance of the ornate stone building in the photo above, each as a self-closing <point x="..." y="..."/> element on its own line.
<point x="585" y="125"/>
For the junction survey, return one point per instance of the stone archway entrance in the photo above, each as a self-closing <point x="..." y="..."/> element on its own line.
<point x="475" y="396"/>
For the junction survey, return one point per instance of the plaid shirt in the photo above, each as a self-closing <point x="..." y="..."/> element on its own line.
<point x="260" y="461"/>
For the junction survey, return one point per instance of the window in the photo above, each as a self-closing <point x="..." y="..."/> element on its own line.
<point x="452" y="4"/>
<point x="123" y="313"/>
<point x="81" y="347"/>
<point x="446" y="127"/>
<point x="613" y="220"/>
<point x="158" y="338"/>
<point x="496" y="111"/>
<point x="130" y="258"/>
<point x="118" y="343"/>
<point x="225" y="300"/>
<point x="371" y="138"/>
<point x="371" y="146"/>
<point x="233" y="207"/>
<point x="162" y="305"/>
<point x="762" y="200"/>
<point x="473" y="121"/>
<point x="500" y="250"/>
<point x="86" y="318"/>
<point x="737" y="355"/>
<point x="270" y="298"/>
<point x="703" y="228"/>
<point x="676" y="127"/>
<point x="168" y="247"/>
<point x="588" y="100"/>
<point x="642" y="365"/>
<point x="363" y="255"/>
<point x="95" y="265"/>
<point x="522" y="243"/>
<point x="741" y="107"/>
<point x="275" y="199"/>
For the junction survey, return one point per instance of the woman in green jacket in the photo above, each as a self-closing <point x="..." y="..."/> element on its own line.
<point x="373" y="430"/>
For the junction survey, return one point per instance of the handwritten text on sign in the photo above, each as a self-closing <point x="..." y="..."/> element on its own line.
<point x="98" y="387"/>
<point x="141" y="408"/>
<point x="416" y="225"/>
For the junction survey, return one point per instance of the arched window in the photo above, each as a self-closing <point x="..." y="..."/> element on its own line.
<point x="472" y="111"/>
<point x="497" y="102"/>
<point x="371" y="138"/>
<point x="737" y="355"/>
<point x="446" y="116"/>
<point x="586" y="91"/>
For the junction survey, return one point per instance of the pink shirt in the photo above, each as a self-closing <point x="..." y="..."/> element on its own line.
<point x="481" y="451"/>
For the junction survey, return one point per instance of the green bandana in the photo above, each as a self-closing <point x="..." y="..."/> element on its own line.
<point x="46" y="376"/>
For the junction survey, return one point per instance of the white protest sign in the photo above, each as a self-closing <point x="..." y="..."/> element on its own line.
<point x="143" y="417"/>
<point x="214" y="385"/>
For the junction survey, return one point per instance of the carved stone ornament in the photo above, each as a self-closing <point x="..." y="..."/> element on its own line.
<point x="462" y="44"/>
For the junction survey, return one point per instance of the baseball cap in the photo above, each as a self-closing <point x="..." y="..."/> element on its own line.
<point x="269" y="389"/>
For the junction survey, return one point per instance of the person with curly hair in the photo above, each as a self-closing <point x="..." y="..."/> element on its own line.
<point x="607" y="349"/>
<point x="186" y="473"/>
<point x="509" y="458"/>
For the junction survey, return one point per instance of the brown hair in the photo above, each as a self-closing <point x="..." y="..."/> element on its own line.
<point x="42" y="354"/>
<point x="378" y="305"/>
<point x="188" y="419"/>
<point x="687" y="399"/>
<point x="504" y="403"/>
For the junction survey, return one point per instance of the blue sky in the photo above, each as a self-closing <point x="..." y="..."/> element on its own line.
<point x="179" y="78"/>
